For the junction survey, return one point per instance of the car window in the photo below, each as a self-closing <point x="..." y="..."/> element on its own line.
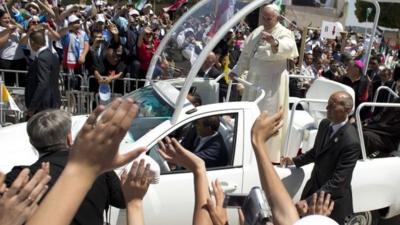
<point x="211" y="138"/>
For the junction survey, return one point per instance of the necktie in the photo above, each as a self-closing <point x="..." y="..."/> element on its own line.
<point x="328" y="135"/>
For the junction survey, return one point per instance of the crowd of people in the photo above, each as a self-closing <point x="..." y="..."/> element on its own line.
<point x="111" y="41"/>
<point x="84" y="169"/>
<point x="105" y="41"/>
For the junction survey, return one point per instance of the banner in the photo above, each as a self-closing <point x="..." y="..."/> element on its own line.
<point x="174" y="6"/>
<point x="331" y="30"/>
<point x="140" y="4"/>
<point x="224" y="10"/>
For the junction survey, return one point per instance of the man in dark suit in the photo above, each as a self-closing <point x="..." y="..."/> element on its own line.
<point x="206" y="142"/>
<point x="42" y="91"/>
<point x="49" y="132"/>
<point x="208" y="69"/>
<point x="335" y="153"/>
<point x="382" y="132"/>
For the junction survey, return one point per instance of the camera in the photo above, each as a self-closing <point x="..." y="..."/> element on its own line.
<point x="255" y="206"/>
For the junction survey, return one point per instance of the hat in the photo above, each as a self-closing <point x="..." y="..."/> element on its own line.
<point x="100" y="18"/>
<point x="134" y="12"/>
<point x="34" y="18"/>
<point x="100" y="2"/>
<point x="32" y="4"/>
<point x="274" y="7"/>
<point x="315" y="220"/>
<point x="151" y="12"/>
<point x="72" y="18"/>
<point x="147" y="5"/>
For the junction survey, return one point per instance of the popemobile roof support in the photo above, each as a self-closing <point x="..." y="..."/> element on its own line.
<point x="376" y="19"/>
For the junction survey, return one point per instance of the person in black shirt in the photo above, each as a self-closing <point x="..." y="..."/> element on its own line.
<point x="111" y="68"/>
<point x="50" y="133"/>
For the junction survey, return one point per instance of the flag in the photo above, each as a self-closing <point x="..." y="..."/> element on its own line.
<point x="8" y="100"/>
<point x="140" y="4"/>
<point x="225" y="63"/>
<point x="224" y="10"/>
<point x="174" y="6"/>
<point x="279" y="4"/>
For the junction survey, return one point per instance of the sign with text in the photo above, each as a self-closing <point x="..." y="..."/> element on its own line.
<point x="331" y="30"/>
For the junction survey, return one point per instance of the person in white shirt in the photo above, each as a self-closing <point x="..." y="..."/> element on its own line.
<point x="265" y="55"/>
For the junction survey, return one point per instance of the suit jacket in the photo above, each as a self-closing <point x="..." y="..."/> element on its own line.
<point x="387" y="125"/>
<point x="333" y="167"/>
<point x="213" y="152"/>
<point x="42" y="91"/>
<point x="105" y="191"/>
<point x="212" y="73"/>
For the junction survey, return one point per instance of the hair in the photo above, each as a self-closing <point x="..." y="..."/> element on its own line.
<point x="49" y="128"/>
<point x="345" y="99"/>
<point x="37" y="37"/>
<point x="212" y="122"/>
<point x="374" y="58"/>
<point x="196" y="99"/>
<point x="2" y="13"/>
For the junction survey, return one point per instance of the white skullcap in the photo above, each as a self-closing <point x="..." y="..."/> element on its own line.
<point x="315" y="220"/>
<point x="274" y="8"/>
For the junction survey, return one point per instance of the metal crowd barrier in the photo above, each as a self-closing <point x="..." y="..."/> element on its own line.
<point x="77" y="95"/>
<point x="15" y="72"/>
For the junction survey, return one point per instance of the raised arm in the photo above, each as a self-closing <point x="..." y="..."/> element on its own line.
<point x="283" y="209"/>
<point x="173" y="152"/>
<point x="94" y="152"/>
<point x="135" y="184"/>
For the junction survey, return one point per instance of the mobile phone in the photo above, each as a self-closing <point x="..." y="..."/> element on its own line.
<point x="234" y="200"/>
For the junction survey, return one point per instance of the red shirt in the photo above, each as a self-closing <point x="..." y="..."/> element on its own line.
<point x="146" y="52"/>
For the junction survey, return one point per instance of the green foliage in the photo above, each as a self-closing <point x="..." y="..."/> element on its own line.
<point x="389" y="17"/>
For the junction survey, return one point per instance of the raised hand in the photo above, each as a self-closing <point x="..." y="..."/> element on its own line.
<point x="135" y="183"/>
<point x="321" y="204"/>
<point x="19" y="201"/>
<point x="266" y="126"/>
<point x="96" y="146"/>
<point x="216" y="210"/>
<point x="173" y="152"/>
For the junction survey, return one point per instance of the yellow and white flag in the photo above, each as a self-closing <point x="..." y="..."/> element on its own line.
<point x="225" y="64"/>
<point x="7" y="99"/>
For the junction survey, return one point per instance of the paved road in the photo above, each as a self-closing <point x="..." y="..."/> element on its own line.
<point x="392" y="221"/>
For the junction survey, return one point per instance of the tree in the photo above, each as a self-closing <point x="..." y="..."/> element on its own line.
<point x="389" y="17"/>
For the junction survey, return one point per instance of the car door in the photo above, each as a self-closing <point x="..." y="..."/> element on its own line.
<point x="171" y="201"/>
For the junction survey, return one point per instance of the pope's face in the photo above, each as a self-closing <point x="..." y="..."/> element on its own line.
<point x="269" y="18"/>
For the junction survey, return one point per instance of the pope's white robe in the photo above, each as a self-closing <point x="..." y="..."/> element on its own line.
<point x="267" y="70"/>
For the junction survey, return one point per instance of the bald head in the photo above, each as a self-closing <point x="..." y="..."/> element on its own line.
<point x="345" y="99"/>
<point x="339" y="107"/>
<point x="269" y="16"/>
<point x="210" y="60"/>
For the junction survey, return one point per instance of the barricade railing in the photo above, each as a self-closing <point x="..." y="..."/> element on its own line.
<point x="16" y="74"/>
<point x="78" y="96"/>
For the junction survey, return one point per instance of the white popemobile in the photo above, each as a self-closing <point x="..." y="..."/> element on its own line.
<point x="164" y="111"/>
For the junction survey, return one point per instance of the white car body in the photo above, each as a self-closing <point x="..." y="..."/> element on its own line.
<point x="170" y="202"/>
